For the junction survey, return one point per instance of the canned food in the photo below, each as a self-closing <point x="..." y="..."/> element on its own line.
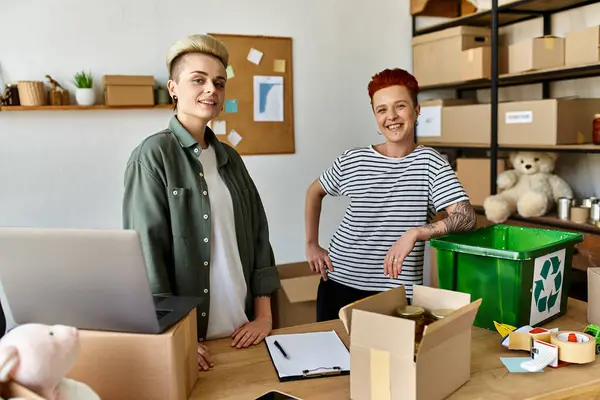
<point x="441" y="313"/>
<point x="596" y="129"/>
<point x="587" y="202"/>
<point x="417" y="314"/>
<point x="563" y="205"/>
<point x="595" y="211"/>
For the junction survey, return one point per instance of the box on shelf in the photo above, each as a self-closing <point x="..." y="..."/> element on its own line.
<point x="295" y="303"/>
<point x="535" y="54"/>
<point x="593" y="309"/>
<point x="441" y="8"/>
<point x="522" y="274"/>
<point x="429" y="128"/>
<point x="128" y="90"/>
<point x="389" y="369"/>
<point x="137" y="366"/>
<point x="466" y="124"/>
<point x="547" y="122"/>
<point x="476" y="63"/>
<point x="445" y="48"/>
<point x="582" y="46"/>
<point x="474" y="176"/>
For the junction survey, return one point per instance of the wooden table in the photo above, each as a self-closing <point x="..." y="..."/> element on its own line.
<point x="247" y="373"/>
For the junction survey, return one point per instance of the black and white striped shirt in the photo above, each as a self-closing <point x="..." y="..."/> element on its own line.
<point x="387" y="197"/>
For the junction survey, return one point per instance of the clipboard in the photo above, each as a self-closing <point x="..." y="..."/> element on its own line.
<point x="308" y="355"/>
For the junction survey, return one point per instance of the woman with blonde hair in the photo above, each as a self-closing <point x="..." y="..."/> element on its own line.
<point x="200" y="217"/>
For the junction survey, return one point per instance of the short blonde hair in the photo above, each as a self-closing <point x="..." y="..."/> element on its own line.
<point x="198" y="43"/>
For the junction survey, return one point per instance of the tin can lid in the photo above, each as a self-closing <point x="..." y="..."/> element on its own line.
<point x="442" y="312"/>
<point x="410" y="311"/>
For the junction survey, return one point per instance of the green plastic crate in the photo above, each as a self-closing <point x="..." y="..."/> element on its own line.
<point x="521" y="274"/>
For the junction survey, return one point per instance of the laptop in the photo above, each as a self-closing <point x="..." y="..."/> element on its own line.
<point x="87" y="278"/>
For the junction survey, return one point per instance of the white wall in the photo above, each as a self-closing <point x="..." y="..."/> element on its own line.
<point x="65" y="169"/>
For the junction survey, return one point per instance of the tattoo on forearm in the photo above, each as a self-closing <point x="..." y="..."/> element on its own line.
<point x="462" y="219"/>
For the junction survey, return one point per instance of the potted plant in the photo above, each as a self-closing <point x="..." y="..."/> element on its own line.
<point x="84" y="92"/>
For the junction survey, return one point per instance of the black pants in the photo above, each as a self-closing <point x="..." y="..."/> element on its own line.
<point x="332" y="296"/>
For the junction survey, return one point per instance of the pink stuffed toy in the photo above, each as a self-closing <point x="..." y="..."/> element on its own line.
<point x="39" y="356"/>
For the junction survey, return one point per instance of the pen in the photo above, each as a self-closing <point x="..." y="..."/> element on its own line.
<point x="281" y="349"/>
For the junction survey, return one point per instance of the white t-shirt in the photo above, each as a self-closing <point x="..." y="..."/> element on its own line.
<point x="388" y="196"/>
<point x="227" y="285"/>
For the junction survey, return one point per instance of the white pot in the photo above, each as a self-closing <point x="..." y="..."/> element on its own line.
<point x="85" y="97"/>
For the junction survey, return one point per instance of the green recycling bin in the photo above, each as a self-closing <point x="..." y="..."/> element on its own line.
<point x="521" y="274"/>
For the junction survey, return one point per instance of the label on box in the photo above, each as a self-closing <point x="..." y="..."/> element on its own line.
<point x="430" y="122"/>
<point x="518" y="117"/>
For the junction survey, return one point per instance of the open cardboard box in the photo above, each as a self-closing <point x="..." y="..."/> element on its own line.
<point x="382" y="358"/>
<point x="295" y="303"/>
<point x="140" y="366"/>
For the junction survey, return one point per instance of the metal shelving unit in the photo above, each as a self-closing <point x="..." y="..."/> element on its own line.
<point x="497" y="17"/>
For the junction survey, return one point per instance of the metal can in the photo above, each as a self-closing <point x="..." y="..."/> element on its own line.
<point x="564" y="208"/>
<point x="596" y="129"/>
<point x="595" y="211"/>
<point x="587" y="202"/>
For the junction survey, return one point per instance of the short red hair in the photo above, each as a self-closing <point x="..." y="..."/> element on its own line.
<point x="393" y="77"/>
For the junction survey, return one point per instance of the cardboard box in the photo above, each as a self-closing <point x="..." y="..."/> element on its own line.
<point x="137" y="366"/>
<point x="582" y="46"/>
<point x="547" y="122"/>
<point x="388" y="369"/>
<point x="128" y="90"/>
<point x="593" y="302"/>
<point x="445" y="48"/>
<point x="431" y="116"/>
<point x="441" y="8"/>
<point x="295" y="303"/>
<point x="537" y="53"/>
<point x="476" y="63"/>
<point x="466" y="124"/>
<point x="474" y="176"/>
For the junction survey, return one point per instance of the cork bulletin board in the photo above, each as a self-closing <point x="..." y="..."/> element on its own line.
<point x="259" y="112"/>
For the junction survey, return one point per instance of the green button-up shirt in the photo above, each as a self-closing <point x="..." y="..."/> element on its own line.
<point x="166" y="199"/>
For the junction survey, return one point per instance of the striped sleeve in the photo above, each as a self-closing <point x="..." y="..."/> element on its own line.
<point x="331" y="178"/>
<point x="445" y="188"/>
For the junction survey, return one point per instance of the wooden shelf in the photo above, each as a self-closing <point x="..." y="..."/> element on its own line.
<point x="524" y="78"/>
<point x="551" y="220"/>
<point x="83" y="108"/>
<point x="455" y="145"/>
<point x="516" y="11"/>
<point x="564" y="148"/>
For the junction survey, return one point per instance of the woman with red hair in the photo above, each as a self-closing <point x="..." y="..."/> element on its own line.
<point x="395" y="189"/>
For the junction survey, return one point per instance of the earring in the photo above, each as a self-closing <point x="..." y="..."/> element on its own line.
<point x="416" y="123"/>
<point x="378" y="132"/>
<point x="174" y="103"/>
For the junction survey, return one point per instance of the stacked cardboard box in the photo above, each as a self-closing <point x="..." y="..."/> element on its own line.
<point x="128" y="90"/>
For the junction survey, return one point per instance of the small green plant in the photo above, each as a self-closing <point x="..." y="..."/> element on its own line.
<point x="83" y="80"/>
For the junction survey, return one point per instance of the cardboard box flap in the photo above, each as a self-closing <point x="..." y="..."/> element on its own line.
<point x="301" y="289"/>
<point x="382" y="303"/>
<point x="483" y="34"/>
<point x="372" y="330"/>
<point x="433" y="298"/>
<point x="128" y="80"/>
<point x="593" y="310"/>
<point x="454" y="324"/>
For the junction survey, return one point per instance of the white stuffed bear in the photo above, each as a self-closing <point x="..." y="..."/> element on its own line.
<point x="39" y="356"/>
<point x="530" y="188"/>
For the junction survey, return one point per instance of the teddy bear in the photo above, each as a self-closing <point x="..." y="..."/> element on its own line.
<point x="530" y="188"/>
<point x="38" y="357"/>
